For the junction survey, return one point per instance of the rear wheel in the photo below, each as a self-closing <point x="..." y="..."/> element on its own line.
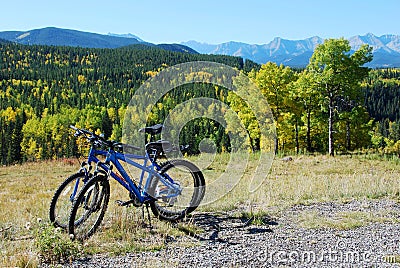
<point x="89" y="208"/>
<point x="192" y="184"/>
<point x="61" y="203"/>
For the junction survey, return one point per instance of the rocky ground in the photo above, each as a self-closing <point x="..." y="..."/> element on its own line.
<point x="289" y="239"/>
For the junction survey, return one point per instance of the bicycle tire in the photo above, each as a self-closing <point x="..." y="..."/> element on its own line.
<point x="182" y="172"/>
<point x="61" y="203"/>
<point x="93" y="201"/>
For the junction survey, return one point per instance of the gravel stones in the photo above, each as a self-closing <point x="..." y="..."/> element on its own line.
<point x="230" y="241"/>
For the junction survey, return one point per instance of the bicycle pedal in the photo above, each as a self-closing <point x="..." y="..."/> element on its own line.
<point x="123" y="203"/>
<point x="127" y="203"/>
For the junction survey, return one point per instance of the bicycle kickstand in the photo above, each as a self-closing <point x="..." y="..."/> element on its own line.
<point x="148" y="215"/>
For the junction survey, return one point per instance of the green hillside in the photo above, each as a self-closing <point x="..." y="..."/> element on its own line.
<point x="43" y="89"/>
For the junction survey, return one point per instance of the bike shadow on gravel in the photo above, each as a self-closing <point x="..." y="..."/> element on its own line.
<point x="224" y="228"/>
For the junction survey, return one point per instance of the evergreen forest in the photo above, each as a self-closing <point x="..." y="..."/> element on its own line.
<point x="44" y="89"/>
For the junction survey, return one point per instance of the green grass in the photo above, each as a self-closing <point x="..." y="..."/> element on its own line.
<point x="256" y="218"/>
<point x="26" y="191"/>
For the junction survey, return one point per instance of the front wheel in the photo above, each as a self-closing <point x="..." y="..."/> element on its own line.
<point x="188" y="176"/>
<point x="89" y="208"/>
<point x="61" y="203"/>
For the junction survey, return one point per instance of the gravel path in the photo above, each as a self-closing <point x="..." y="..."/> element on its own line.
<point x="280" y="242"/>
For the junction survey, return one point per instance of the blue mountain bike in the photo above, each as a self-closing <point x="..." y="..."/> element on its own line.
<point x="172" y="189"/>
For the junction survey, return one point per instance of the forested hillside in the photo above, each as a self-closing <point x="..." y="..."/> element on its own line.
<point x="44" y="89"/>
<point x="382" y="99"/>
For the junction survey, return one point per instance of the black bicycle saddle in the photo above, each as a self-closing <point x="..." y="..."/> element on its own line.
<point x="153" y="130"/>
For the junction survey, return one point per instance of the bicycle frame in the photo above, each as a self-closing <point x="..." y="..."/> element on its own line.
<point x="149" y="167"/>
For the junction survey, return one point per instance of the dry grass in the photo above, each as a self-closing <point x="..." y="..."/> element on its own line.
<point x="25" y="193"/>
<point x="313" y="179"/>
<point x="26" y="190"/>
<point x="344" y="220"/>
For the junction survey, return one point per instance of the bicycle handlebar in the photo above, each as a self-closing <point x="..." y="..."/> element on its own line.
<point x="80" y="131"/>
<point x="98" y="140"/>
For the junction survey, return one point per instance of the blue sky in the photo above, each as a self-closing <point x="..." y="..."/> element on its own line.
<point x="211" y="21"/>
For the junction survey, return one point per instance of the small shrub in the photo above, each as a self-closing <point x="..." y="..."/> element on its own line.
<point x="54" y="246"/>
<point x="190" y="229"/>
<point x="256" y="218"/>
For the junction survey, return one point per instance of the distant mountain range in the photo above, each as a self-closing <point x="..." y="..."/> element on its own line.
<point x="294" y="53"/>
<point x="65" y="37"/>
<point x="129" y="35"/>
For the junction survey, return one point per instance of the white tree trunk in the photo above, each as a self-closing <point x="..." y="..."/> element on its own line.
<point x="331" y="141"/>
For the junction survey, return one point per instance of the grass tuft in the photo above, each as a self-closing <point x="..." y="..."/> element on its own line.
<point x="55" y="246"/>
